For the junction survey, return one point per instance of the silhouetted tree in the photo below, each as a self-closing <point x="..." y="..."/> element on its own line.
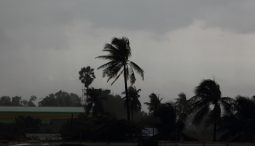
<point x="16" y="101"/>
<point x="182" y="107"/>
<point x="119" y="63"/>
<point x="208" y="100"/>
<point x="29" y="102"/>
<point x="87" y="75"/>
<point x="135" y="104"/>
<point x="239" y="125"/>
<point x="61" y="98"/>
<point x="154" y="103"/>
<point x="32" y="100"/>
<point x="5" y="101"/>
<point x="49" y="100"/>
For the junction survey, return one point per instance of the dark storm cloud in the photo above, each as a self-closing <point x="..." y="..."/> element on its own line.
<point x="43" y="24"/>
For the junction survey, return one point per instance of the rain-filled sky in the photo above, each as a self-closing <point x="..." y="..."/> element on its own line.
<point x="178" y="43"/>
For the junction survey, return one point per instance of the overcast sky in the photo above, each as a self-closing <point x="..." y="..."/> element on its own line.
<point x="178" y="43"/>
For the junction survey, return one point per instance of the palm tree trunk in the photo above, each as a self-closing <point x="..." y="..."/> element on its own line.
<point x="87" y="95"/>
<point x="214" y="129"/>
<point x="214" y="124"/>
<point x="85" y="100"/>
<point x="132" y="111"/>
<point x="126" y="91"/>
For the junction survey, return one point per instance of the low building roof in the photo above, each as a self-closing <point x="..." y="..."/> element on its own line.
<point x="42" y="109"/>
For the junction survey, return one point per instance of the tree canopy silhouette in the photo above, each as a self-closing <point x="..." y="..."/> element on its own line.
<point x="86" y="75"/>
<point x="154" y="103"/>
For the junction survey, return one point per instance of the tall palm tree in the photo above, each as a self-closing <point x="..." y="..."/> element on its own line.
<point x="135" y="104"/>
<point x="208" y="101"/>
<point x="154" y="103"/>
<point x="119" y="52"/>
<point x="87" y="75"/>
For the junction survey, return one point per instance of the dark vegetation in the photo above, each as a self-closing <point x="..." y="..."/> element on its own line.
<point x="111" y="117"/>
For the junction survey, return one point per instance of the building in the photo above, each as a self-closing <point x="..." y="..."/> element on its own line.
<point x="8" y="114"/>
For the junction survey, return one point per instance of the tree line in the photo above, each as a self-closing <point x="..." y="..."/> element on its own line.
<point x="60" y="98"/>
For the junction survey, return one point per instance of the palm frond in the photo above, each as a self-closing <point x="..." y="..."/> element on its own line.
<point x="106" y="57"/>
<point x="108" y="68"/>
<point x="110" y="63"/>
<point x="196" y="102"/>
<point x="228" y="104"/>
<point x="137" y="68"/>
<point x="112" y="71"/>
<point x="113" y="50"/>
<point x="132" y="76"/>
<point x="120" y="73"/>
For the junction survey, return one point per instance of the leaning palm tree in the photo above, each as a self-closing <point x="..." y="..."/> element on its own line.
<point x="119" y="52"/>
<point x="208" y="101"/>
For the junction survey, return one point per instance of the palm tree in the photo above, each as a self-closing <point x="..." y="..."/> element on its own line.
<point x="135" y="104"/>
<point x="154" y="103"/>
<point x="86" y="75"/>
<point x="182" y="108"/>
<point x="119" y="52"/>
<point x="208" y="101"/>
